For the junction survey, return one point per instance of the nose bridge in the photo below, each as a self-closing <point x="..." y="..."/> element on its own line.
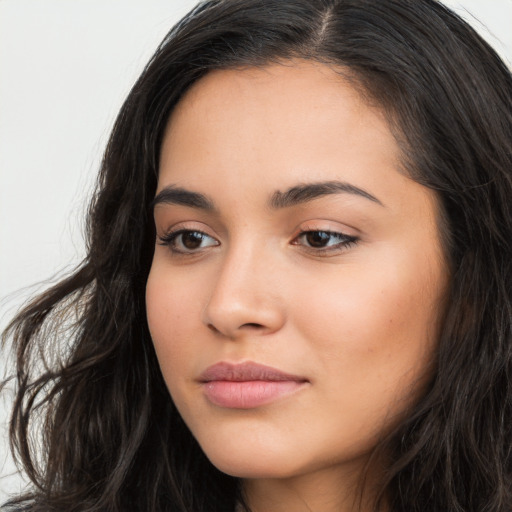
<point x="244" y="295"/>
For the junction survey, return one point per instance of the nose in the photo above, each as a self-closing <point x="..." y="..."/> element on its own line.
<point x="246" y="297"/>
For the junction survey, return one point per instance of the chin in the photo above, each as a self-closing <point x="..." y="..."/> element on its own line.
<point x="249" y="464"/>
<point x="252" y="469"/>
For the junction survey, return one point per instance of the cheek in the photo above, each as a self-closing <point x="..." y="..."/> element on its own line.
<point x="374" y="330"/>
<point x="170" y="306"/>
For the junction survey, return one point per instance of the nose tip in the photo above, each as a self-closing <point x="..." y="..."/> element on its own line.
<point x="232" y="318"/>
<point x="243" y="302"/>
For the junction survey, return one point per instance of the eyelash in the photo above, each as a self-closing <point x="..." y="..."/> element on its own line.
<point x="345" y="241"/>
<point x="171" y="239"/>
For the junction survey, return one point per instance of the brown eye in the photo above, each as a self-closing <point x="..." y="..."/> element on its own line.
<point x="191" y="239"/>
<point x="187" y="241"/>
<point x="317" y="238"/>
<point x="323" y="242"/>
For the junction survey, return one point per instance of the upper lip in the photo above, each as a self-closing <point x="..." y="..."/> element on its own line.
<point x="247" y="371"/>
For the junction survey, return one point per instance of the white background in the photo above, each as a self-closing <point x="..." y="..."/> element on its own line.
<point x="65" y="69"/>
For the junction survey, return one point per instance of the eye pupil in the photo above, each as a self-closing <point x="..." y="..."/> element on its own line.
<point x="317" y="238"/>
<point x="192" y="239"/>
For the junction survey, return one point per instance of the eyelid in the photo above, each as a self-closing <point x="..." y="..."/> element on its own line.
<point x="347" y="239"/>
<point x="169" y="238"/>
<point x="342" y="236"/>
<point x="177" y="232"/>
<point x="187" y="226"/>
<point x="328" y="226"/>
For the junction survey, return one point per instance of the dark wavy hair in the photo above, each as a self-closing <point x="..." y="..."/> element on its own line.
<point x="108" y="436"/>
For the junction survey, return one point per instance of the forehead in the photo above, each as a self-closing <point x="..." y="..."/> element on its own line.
<point x="314" y="83"/>
<point x="296" y="117"/>
<point x="278" y="92"/>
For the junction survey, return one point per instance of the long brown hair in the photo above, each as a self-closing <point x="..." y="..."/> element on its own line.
<point x="110" y="438"/>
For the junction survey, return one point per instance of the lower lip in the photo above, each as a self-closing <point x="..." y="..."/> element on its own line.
<point x="248" y="394"/>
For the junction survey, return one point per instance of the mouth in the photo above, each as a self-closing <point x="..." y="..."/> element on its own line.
<point x="247" y="385"/>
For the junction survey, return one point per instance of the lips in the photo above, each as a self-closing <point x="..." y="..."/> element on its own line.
<point x="247" y="385"/>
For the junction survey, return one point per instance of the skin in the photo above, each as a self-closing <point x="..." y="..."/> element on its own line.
<point x="359" y="321"/>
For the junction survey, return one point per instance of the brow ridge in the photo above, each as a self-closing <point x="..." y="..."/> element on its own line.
<point x="176" y="195"/>
<point x="309" y="191"/>
<point x="295" y="195"/>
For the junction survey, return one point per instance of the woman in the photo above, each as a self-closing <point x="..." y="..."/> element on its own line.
<point x="297" y="294"/>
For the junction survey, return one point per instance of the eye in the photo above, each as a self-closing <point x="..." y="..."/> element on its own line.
<point x="324" y="241"/>
<point x="187" y="241"/>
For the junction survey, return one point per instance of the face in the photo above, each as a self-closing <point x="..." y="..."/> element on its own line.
<point x="295" y="292"/>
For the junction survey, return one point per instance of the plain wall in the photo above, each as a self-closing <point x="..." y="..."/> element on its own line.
<point x="65" y="69"/>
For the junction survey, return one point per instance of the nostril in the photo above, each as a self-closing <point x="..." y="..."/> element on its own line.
<point x="249" y="325"/>
<point x="252" y="325"/>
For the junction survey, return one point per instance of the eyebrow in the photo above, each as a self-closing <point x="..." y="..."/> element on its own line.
<point x="293" y="196"/>
<point x="309" y="191"/>
<point x="177" y="195"/>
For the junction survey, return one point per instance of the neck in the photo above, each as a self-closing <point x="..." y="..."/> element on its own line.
<point x="327" y="490"/>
